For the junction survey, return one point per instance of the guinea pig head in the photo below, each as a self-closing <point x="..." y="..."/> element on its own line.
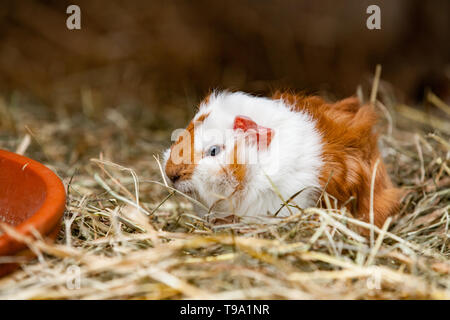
<point x="211" y="159"/>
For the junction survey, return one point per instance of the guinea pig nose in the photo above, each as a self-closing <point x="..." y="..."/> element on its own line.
<point x="173" y="174"/>
<point x="174" y="178"/>
<point x="172" y="171"/>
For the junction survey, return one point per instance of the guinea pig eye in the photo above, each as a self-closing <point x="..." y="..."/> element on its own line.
<point x="213" y="151"/>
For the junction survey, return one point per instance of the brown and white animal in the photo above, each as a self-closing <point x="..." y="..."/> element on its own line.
<point x="241" y="152"/>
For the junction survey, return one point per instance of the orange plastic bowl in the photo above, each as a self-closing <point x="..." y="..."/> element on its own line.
<point x="32" y="197"/>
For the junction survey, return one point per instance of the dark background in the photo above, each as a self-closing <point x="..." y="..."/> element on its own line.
<point x="165" y="55"/>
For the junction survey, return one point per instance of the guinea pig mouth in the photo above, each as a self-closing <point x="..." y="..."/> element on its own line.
<point x="184" y="186"/>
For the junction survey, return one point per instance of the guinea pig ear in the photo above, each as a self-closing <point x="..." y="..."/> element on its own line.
<point x="244" y="123"/>
<point x="263" y="135"/>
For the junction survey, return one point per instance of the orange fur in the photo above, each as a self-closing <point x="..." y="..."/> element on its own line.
<point x="237" y="169"/>
<point x="184" y="170"/>
<point x="349" y="153"/>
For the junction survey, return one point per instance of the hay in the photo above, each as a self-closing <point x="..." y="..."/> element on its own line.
<point x="126" y="235"/>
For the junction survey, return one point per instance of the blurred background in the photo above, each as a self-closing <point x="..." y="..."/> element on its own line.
<point x="163" y="56"/>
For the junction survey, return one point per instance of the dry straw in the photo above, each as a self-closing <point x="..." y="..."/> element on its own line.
<point x="130" y="236"/>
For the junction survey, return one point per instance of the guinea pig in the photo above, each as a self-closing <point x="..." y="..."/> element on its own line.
<point x="246" y="156"/>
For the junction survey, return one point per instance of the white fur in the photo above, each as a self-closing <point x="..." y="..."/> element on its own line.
<point x="292" y="162"/>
